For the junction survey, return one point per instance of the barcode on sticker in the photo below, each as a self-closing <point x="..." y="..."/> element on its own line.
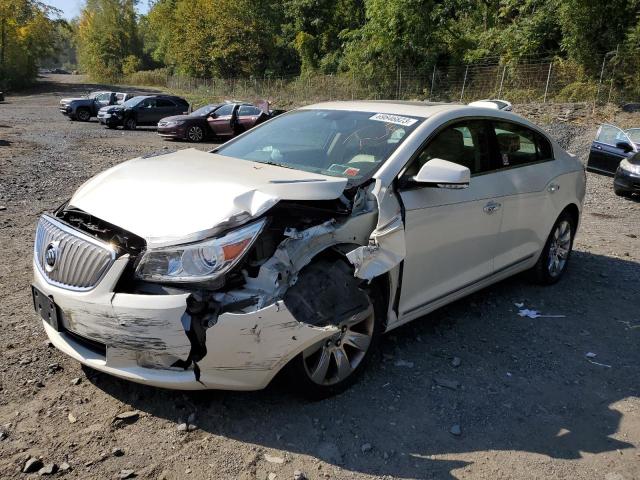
<point x="397" y="119"/>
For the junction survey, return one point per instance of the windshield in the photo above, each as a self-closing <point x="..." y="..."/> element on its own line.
<point x="634" y="134"/>
<point x="132" y="102"/>
<point x="204" y="111"/>
<point x="93" y="95"/>
<point x="340" y="143"/>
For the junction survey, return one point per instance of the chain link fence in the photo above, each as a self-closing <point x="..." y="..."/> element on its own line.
<point x="538" y="81"/>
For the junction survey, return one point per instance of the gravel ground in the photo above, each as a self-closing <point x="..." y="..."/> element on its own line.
<point x="472" y="391"/>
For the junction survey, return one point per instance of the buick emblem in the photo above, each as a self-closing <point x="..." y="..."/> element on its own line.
<point x="51" y="256"/>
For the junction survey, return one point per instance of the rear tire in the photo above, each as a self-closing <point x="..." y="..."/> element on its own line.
<point x="334" y="364"/>
<point x="130" y="124"/>
<point x="83" y="115"/>
<point x="554" y="258"/>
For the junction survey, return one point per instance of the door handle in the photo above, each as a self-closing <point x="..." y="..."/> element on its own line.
<point x="598" y="147"/>
<point x="553" y="188"/>
<point x="491" y="207"/>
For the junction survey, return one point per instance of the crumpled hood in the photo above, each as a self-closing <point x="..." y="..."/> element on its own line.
<point x="189" y="195"/>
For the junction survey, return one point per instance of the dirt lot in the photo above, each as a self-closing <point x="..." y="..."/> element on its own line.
<point x="528" y="402"/>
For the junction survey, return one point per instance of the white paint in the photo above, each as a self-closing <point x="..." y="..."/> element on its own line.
<point x="184" y="196"/>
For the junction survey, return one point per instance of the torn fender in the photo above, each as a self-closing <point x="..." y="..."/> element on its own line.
<point x="387" y="247"/>
<point x="250" y="348"/>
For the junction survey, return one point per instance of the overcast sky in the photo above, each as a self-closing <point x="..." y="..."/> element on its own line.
<point x="71" y="8"/>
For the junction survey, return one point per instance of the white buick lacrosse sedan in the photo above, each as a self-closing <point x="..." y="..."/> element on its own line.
<point x="295" y="246"/>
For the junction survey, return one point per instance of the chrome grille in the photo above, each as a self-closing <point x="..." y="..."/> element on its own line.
<point x="80" y="261"/>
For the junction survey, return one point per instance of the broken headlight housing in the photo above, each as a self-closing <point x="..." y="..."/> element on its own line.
<point x="200" y="261"/>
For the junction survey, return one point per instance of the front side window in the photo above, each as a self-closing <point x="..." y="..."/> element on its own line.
<point x="634" y="134"/>
<point x="610" y="135"/>
<point x="225" y="110"/>
<point x="340" y="143"/>
<point x="204" y="111"/>
<point x="465" y="143"/>
<point x="518" y="145"/>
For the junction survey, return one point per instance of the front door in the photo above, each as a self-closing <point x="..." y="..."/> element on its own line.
<point x="220" y="120"/>
<point x="606" y="152"/>
<point x="145" y="111"/>
<point x="450" y="234"/>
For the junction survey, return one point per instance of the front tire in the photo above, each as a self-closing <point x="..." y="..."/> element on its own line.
<point x="554" y="258"/>
<point x="334" y="364"/>
<point x="195" y="134"/>
<point x="83" y="115"/>
<point x="620" y="192"/>
<point x="130" y="124"/>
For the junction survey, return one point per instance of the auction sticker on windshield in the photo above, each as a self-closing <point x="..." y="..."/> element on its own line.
<point x="397" y="119"/>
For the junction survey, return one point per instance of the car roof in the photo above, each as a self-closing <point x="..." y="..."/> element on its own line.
<point x="416" y="109"/>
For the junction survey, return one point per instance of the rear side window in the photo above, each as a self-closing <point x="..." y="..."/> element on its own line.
<point x="518" y="145"/>
<point x="248" y="111"/>
<point x="163" y="102"/>
<point x="225" y="110"/>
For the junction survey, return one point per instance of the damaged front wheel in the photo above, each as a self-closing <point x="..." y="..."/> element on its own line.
<point x="328" y="367"/>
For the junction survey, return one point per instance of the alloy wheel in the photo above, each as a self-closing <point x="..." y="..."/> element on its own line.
<point x="83" y="115"/>
<point x="195" y="134"/>
<point x="559" y="248"/>
<point x="337" y="357"/>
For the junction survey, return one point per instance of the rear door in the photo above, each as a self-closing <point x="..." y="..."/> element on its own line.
<point x="220" y="121"/>
<point x="606" y="154"/>
<point x="527" y="172"/>
<point x="164" y="108"/>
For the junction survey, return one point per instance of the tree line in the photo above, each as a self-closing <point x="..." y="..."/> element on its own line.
<point x="366" y="38"/>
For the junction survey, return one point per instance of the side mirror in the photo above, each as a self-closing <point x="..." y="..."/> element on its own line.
<point x="624" y="146"/>
<point x="213" y="115"/>
<point x="443" y="174"/>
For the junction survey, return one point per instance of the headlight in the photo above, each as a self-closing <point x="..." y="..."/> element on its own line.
<point x="630" y="167"/>
<point x="174" y="123"/>
<point x="201" y="261"/>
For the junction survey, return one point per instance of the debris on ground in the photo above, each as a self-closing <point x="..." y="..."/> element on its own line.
<point x="403" y="363"/>
<point x="535" y="314"/>
<point x="450" y="384"/>
<point x="48" y="469"/>
<point x="33" y="464"/>
<point x="273" y="459"/>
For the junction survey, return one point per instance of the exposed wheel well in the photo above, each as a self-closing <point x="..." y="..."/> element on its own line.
<point x="383" y="282"/>
<point x="574" y="212"/>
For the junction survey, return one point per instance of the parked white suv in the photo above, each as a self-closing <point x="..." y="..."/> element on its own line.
<point x="296" y="245"/>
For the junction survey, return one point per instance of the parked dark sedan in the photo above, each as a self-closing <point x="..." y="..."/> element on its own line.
<point x="614" y="153"/>
<point x="142" y="110"/>
<point x="216" y="120"/>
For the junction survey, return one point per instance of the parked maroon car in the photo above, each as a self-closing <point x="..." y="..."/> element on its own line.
<point x="215" y="120"/>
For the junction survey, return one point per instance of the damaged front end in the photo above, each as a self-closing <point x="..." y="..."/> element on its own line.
<point x="283" y="281"/>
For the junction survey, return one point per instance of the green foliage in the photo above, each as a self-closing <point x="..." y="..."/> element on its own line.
<point x="577" y="92"/>
<point x="107" y="35"/>
<point x="149" y="78"/>
<point x="27" y="35"/>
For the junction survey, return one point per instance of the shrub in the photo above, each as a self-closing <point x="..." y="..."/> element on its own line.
<point x="151" y="78"/>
